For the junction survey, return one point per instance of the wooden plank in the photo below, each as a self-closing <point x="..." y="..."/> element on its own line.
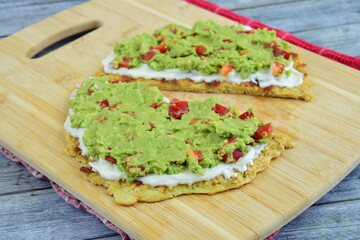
<point x="50" y="220"/>
<point x="10" y="98"/>
<point x="348" y="189"/>
<point x="324" y="23"/>
<point x="344" y="38"/>
<point x="340" y="224"/>
<point x="18" y="15"/>
<point x="14" y="178"/>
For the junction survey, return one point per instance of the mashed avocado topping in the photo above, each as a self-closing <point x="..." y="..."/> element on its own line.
<point x="206" y="47"/>
<point x="131" y="125"/>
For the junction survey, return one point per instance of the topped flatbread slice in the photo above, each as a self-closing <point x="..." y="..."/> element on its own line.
<point x="212" y="58"/>
<point x="143" y="147"/>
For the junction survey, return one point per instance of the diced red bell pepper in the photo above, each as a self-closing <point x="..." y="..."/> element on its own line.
<point x="103" y="103"/>
<point x="224" y="71"/>
<point x="162" y="47"/>
<point x="246" y="115"/>
<point x="237" y="154"/>
<point x="157" y="35"/>
<point x="277" y="68"/>
<point x="263" y="132"/>
<point x="177" y="108"/>
<point x="152" y="125"/>
<point x="272" y="44"/>
<point x="194" y="120"/>
<point x="154" y="105"/>
<point x="147" y="56"/>
<point x="114" y="106"/>
<point x="197" y="154"/>
<point x="228" y="40"/>
<point x="89" y="92"/>
<point x="124" y="63"/>
<point x="200" y="49"/>
<point x="187" y="141"/>
<point x="224" y="157"/>
<point x="173" y="30"/>
<point x="219" y="109"/>
<point x="246" y="32"/>
<point x="278" y="52"/>
<point x="110" y="159"/>
<point x="232" y="140"/>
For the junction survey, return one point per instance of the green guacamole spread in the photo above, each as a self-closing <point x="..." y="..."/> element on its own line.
<point x="206" y="47"/>
<point x="131" y="125"/>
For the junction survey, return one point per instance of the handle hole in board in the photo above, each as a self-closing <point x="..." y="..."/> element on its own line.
<point x="60" y="39"/>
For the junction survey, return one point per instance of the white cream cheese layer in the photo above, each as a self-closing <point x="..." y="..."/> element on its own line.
<point x="263" y="78"/>
<point x="110" y="171"/>
<point x="76" y="132"/>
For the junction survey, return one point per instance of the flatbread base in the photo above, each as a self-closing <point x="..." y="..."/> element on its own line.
<point x="126" y="193"/>
<point x="302" y="91"/>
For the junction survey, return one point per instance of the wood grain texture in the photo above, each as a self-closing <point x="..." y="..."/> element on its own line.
<point x="71" y="86"/>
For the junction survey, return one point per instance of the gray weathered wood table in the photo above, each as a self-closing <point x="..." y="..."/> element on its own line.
<point x="30" y="209"/>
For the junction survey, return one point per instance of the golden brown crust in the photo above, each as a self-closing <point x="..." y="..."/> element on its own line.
<point x="302" y="91"/>
<point x="126" y="193"/>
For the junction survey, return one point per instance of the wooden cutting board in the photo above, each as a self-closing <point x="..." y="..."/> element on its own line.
<point x="33" y="94"/>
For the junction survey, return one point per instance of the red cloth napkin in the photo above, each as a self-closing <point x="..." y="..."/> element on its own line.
<point x="353" y="62"/>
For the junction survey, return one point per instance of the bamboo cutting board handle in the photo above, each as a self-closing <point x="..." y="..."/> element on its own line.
<point x="32" y="40"/>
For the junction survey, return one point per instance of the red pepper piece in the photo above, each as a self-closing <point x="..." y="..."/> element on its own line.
<point x="197" y="154"/>
<point x="173" y="30"/>
<point x="187" y="141"/>
<point x="110" y="159"/>
<point x="232" y="140"/>
<point x="194" y="120"/>
<point x="246" y="115"/>
<point x="89" y="91"/>
<point x="177" y="108"/>
<point x="114" y="106"/>
<point x="246" y="32"/>
<point x="278" y="52"/>
<point x="147" y="56"/>
<point x="219" y="109"/>
<point x="152" y="125"/>
<point x="154" y="105"/>
<point x="162" y="47"/>
<point x="237" y="154"/>
<point x="224" y="71"/>
<point x="200" y="49"/>
<point x="272" y="44"/>
<point x="103" y="103"/>
<point x="124" y="63"/>
<point x="263" y="132"/>
<point x="228" y="40"/>
<point x="277" y="68"/>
